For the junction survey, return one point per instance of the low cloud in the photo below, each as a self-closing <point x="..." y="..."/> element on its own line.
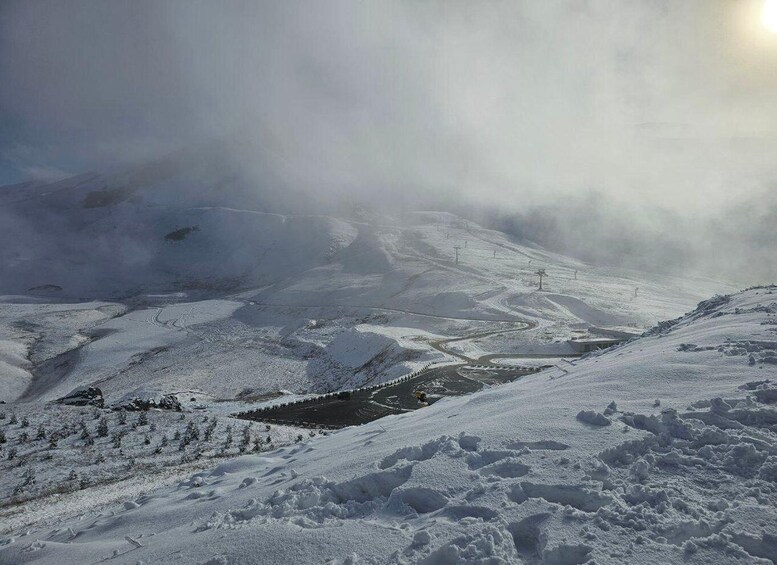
<point x="644" y="122"/>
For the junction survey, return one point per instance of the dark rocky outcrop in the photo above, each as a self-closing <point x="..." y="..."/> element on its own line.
<point x="85" y="396"/>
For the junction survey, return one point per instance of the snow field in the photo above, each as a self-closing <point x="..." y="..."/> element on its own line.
<point x="683" y="472"/>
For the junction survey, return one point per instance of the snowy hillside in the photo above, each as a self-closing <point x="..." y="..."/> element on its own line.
<point x="661" y="450"/>
<point x="179" y="286"/>
<point x="209" y="285"/>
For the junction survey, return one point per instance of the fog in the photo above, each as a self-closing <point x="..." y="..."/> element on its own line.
<point x="638" y="134"/>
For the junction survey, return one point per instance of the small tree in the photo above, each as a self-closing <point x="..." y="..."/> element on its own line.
<point x="122" y="417"/>
<point x="2" y="437"/>
<point x="102" y="428"/>
<point x="41" y="432"/>
<point x="210" y="429"/>
<point x="25" y="422"/>
<point x="13" y="419"/>
<point x="192" y="432"/>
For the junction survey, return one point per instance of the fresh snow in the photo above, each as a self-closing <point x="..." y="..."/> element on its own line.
<point x="180" y="279"/>
<point x="684" y="472"/>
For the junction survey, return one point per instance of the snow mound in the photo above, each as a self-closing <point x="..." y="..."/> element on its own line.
<point x="356" y="347"/>
<point x="586" y="313"/>
<point x="367" y="254"/>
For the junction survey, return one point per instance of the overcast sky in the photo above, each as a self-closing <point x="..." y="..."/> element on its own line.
<point x="659" y="104"/>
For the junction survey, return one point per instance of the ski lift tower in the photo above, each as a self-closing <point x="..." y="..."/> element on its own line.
<point x="541" y="273"/>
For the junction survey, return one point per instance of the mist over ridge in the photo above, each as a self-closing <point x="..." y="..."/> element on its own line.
<point x="639" y="136"/>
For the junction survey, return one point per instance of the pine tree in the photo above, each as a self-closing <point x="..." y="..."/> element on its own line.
<point x="41" y="432"/>
<point x="192" y="432"/>
<point x="29" y="477"/>
<point x="210" y="429"/>
<point x="143" y="419"/>
<point x="122" y="417"/>
<point x="25" y="422"/>
<point x="102" y="428"/>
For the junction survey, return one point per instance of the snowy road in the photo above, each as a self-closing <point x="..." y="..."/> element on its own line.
<point x="365" y="405"/>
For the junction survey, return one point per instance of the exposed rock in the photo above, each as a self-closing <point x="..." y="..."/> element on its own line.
<point x="166" y="402"/>
<point x="87" y="396"/>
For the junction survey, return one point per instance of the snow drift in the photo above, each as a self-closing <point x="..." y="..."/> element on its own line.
<point x="684" y="472"/>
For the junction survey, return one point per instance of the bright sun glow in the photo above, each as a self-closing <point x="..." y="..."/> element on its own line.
<point x="769" y="15"/>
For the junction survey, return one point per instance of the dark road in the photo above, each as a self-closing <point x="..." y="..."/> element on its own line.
<point x="365" y="405"/>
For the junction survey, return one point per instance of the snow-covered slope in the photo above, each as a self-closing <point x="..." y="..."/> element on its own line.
<point x="397" y="291"/>
<point x="211" y="280"/>
<point x="661" y="450"/>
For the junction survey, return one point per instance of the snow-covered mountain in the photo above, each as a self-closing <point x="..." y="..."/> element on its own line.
<point x="212" y="282"/>
<point x="184" y="280"/>
<point x="657" y="451"/>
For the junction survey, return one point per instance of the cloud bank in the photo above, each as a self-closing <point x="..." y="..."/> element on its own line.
<point x="630" y="121"/>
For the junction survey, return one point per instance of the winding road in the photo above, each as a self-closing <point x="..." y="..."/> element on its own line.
<point x="364" y="405"/>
